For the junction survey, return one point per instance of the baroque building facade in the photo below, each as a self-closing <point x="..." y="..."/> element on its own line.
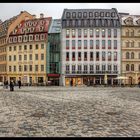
<point x="26" y="51"/>
<point x="90" y="46"/>
<point x="6" y="28"/>
<point x="130" y="37"/>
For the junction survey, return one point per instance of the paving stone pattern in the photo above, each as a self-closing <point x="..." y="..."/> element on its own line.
<point x="70" y="112"/>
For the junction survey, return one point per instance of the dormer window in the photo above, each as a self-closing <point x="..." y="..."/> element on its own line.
<point x="96" y="14"/>
<point x="67" y="15"/>
<point x="113" y="14"/>
<point x="74" y="15"/>
<point x="138" y="21"/>
<point x="129" y="21"/>
<point x="85" y="14"/>
<point x="107" y="14"/>
<point x="79" y="14"/>
<point x="102" y="14"/>
<point x="90" y="14"/>
<point x="41" y="28"/>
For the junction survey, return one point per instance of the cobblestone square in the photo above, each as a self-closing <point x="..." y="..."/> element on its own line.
<point x="70" y="112"/>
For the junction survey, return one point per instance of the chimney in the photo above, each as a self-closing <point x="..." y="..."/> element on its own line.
<point x="34" y="16"/>
<point x="41" y="15"/>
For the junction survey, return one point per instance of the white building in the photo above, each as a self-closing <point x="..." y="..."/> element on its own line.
<point x="90" y="46"/>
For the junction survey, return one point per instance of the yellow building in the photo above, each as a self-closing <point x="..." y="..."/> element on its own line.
<point x="131" y="48"/>
<point x="6" y="28"/>
<point x="26" y="51"/>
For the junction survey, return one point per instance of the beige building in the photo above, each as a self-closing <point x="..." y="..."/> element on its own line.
<point x="131" y="48"/>
<point x="6" y="28"/>
<point x="26" y="51"/>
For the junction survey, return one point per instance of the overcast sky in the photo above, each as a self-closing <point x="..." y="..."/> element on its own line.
<point x="8" y="10"/>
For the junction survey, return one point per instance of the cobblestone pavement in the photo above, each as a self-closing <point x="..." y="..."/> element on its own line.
<point x="70" y="111"/>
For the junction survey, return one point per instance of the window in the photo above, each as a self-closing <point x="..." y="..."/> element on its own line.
<point x="36" y="56"/>
<point x="25" y="57"/>
<point x="97" y="67"/>
<point x="42" y="56"/>
<point x="31" y="47"/>
<point x="42" y="67"/>
<point x="127" y="67"/>
<point x="127" y="55"/>
<point x="30" y="37"/>
<point x="96" y="14"/>
<point x="67" y="15"/>
<point x="97" y="32"/>
<point x="103" y="32"/>
<point x="109" y="67"/>
<point x="139" y="44"/>
<point x="79" y="32"/>
<point x="91" y="68"/>
<point x="14" y="48"/>
<point x="10" y="48"/>
<point x="73" y="33"/>
<point x="67" y="56"/>
<point x="91" y="56"/>
<point x="85" y="32"/>
<point x="91" y="32"/>
<point x="85" y="44"/>
<point x="20" y="48"/>
<point x="79" y="56"/>
<point x="79" y="14"/>
<point x="79" y="23"/>
<point x="115" y="44"/>
<point x="102" y="14"/>
<point x="73" y="23"/>
<point x="103" y="56"/>
<point x="109" y="32"/>
<point x="73" y="56"/>
<point x="67" y="68"/>
<point x="85" y="56"/>
<point x="73" y="44"/>
<point x="132" y="33"/>
<point x="127" y="33"/>
<point x="103" y="44"/>
<point x="20" y="57"/>
<point x="107" y="14"/>
<point x="115" y="32"/>
<point x="25" y="67"/>
<point x="109" y="56"/>
<point x="115" y="68"/>
<point x="127" y="44"/>
<point x="79" y="44"/>
<point x="73" y="68"/>
<point x="14" y="57"/>
<point x="115" y="56"/>
<point x="10" y="58"/>
<point x="97" y="56"/>
<point x="36" y="67"/>
<point x="42" y="46"/>
<point x="25" y="47"/>
<point x="36" y="46"/>
<point x="109" y="44"/>
<point x="67" y="44"/>
<point x="67" y="33"/>
<point x="139" y="67"/>
<point x="20" y="68"/>
<point x="97" y="44"/>
<point x="85" y="23"/>
<point x="85" y="68"/>
<point x="30" y="67"/>
<point x="14" y="68"/>
<point x="103" y="67"/>
<point x="132" y="67"/>
<point x="91" y="44"/>
<point x="79" y="68"/>
<point x="90" y="14"/>
<point x="132" y="44"/>
<point x="10" y="68"/>
<point x="85" y="15"/>
<point x="132" y="55"/>
<point x="67" y="23"/>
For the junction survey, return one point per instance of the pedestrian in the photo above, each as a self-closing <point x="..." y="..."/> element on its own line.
<point x="11" y="85"/>
<point x="4" y="84"/>
<point x="19" y="83"/>
<point x="7" y="84"/>
<point x="139" y="84"/>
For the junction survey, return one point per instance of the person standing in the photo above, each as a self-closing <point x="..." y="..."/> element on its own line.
<point x="19" y="83"/>
<point x="11" y="85"/>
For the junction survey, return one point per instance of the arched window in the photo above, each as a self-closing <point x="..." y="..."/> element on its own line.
<point x="132" y="67"/>
<point x="132" y="55"/>
<point x="127" y="55"/>
<point x="127" y="67"/>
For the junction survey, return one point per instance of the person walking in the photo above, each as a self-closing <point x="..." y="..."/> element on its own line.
<point x="11" y="85"/>
<point x="19" y="83"/>
<point x="7" y="84"/>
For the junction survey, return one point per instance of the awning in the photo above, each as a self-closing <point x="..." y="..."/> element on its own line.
<point x="53" y="75"/>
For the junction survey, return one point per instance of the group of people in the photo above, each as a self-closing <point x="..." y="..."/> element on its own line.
<point x="11" y="84"/>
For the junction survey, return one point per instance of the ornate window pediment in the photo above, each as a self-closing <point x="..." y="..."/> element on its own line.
<point x="138" y="21"/>
<point x="128" y="21"/>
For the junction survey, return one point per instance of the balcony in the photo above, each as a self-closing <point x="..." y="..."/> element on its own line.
<point x="97" y="47"/>
<point x="85" y="36"/>
<point x="85" y="47"/>
<point x="103" y="47"/>
<point x="67" y="36"/>
<point x="67" y="59"/>
<point x="109" y="47"/>
<point x="91" y="47"/>
<point x="79" y="58"/>
<point x="103" y="59"/>
<point x="79" y="36"/>
<point x="79" y="48"/>
<point x="73" y="59"/>
<point x="73" y="36"/>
